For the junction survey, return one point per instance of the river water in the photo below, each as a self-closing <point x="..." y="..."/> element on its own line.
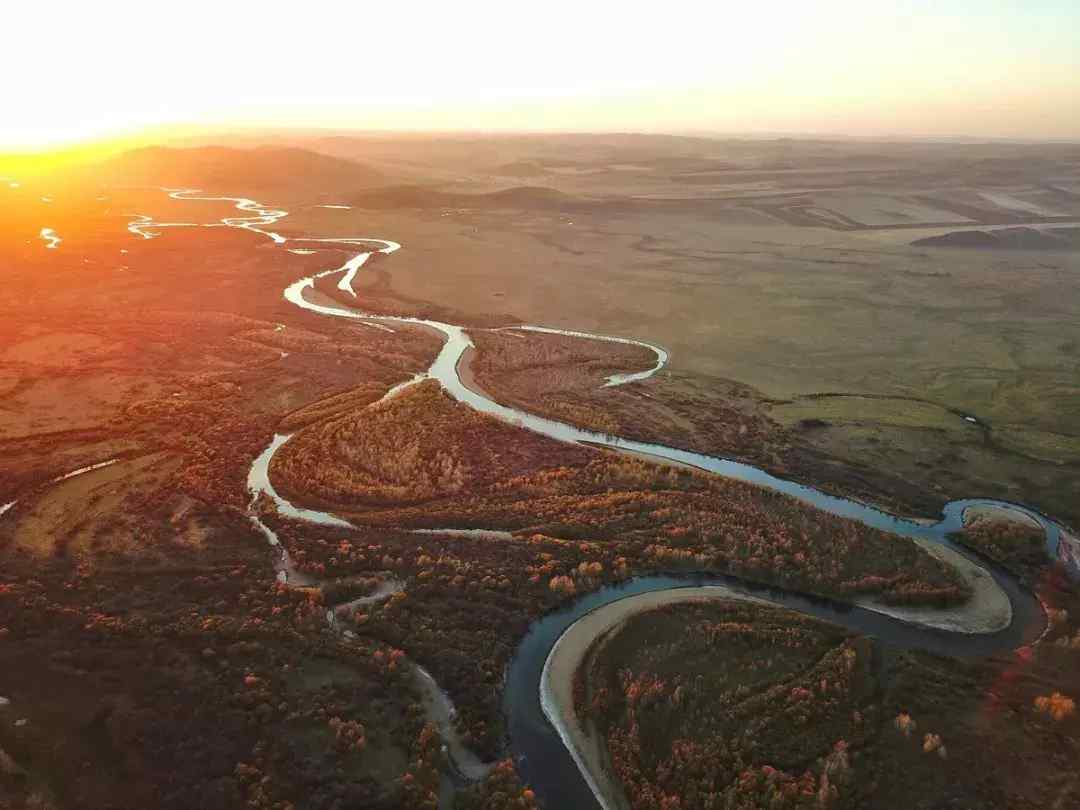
<point x="543" y="759"/>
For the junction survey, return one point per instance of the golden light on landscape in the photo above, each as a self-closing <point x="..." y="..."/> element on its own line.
<point x="92" y="70"/>
<point x="528" y="406"/>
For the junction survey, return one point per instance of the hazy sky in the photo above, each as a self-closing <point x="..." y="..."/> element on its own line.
<point x="990" y="68"/>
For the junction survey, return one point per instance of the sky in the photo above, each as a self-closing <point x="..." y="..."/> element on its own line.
<point x="996" y="68"/>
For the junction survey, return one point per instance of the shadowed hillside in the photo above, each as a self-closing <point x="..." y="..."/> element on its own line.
<point x="1018" y="238"/>
<point x="523" y="197"/>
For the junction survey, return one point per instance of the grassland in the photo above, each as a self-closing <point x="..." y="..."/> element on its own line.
<point x="805" y="313"/>
<point x="563" y="378"/>
<point x="143" y="637"/>
<point x="706" y="253"/>
<point x="149" y="659"/>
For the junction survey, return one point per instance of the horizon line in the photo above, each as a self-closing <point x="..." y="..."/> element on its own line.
<point x="171" y="134"/>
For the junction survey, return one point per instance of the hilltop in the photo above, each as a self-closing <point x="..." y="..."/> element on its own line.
<point x="227" y="168"/>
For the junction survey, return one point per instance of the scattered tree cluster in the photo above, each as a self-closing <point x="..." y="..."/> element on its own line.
<point x="501" y="790"/>
<point x="724" y="704"/>
<point x="1019" y="547"/>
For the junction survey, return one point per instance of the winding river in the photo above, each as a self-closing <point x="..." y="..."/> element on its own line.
<point x="537" y="738"/>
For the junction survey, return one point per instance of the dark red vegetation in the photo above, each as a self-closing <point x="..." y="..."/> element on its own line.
<point x="724" y="704"/>
<point x="1018" y="547"/>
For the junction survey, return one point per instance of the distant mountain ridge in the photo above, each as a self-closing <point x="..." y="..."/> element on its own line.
<point x="231" y="168"/>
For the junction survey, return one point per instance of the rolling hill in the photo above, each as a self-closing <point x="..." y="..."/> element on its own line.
<point x="227" y="168"/>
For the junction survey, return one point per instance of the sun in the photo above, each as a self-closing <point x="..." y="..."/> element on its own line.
<point x="48" y="131"/>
